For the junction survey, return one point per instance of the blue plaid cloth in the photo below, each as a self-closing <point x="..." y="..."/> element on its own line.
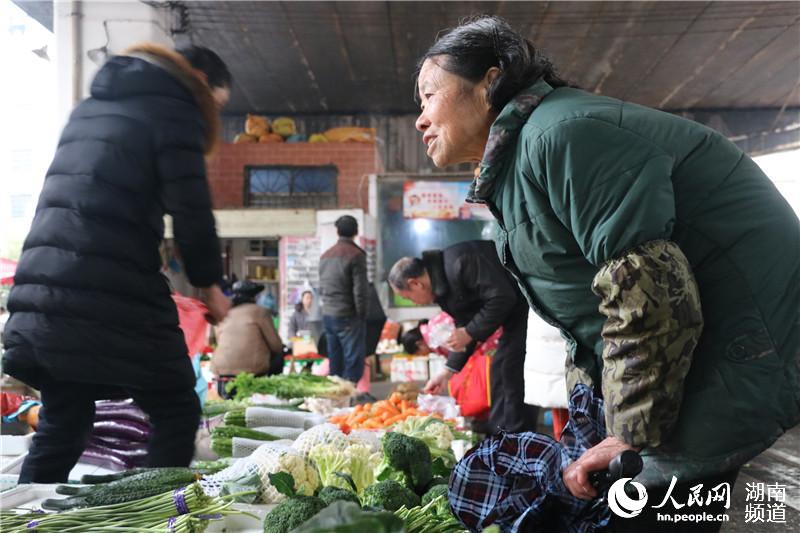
<point x="514" y="479"/>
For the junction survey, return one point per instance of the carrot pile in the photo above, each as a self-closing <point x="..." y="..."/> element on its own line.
<point x="378" y="415"/>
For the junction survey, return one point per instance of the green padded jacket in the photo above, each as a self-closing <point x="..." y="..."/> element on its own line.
<point x="670" y="263"/>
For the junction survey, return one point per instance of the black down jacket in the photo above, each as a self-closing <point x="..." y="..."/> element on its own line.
<point x="89" y="303"/>
<point x="470" y="284"/>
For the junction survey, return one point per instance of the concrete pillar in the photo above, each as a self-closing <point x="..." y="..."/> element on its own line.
<point x="88" y="32"/>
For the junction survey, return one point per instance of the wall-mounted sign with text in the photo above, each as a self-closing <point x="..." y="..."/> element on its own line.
<point x="440" y="200"/>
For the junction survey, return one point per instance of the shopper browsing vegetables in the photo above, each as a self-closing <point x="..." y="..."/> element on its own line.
<point x="91" y="313"/>
<point x="468" y="281"/>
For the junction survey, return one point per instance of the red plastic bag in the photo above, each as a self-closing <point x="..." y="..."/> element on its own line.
<point x="470" y="387"/>
<point x="192" y="320"/>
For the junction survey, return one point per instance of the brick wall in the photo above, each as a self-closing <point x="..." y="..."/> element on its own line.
<point x="353" y="160"/>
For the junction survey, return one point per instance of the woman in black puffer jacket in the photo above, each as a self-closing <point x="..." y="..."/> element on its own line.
<point x="91" y="313"/>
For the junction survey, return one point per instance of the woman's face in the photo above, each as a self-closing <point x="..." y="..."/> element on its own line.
<point x="455" y="117"/>
<point x="221" y="96"/>
<point x="423" y="348"/>
<point x="306" y="299"/>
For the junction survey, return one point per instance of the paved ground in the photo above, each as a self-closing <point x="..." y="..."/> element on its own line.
<point x="778" y="465"/>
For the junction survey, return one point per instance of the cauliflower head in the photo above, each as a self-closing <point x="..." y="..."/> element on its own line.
<point x="434" y="432"/>
<point x="322" y="434"/>
<point x="356" y="460"/>
<point x="271" y="459"/>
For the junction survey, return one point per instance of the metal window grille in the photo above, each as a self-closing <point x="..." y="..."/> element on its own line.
<point x="298" y="187"/>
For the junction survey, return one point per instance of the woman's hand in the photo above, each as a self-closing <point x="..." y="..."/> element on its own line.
<point x="458" y="340"/>
<point x="438" y="384"/>
<point x="217" y="303"/>
<point x="576" y="475"/>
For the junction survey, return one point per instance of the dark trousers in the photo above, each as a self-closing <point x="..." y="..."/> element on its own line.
<point x="648" y="519"/>
<point x="66" y="420"/>
<point x="374" y="330"/>
<point x="509" y="411"/>
<point x="346" y="340"/>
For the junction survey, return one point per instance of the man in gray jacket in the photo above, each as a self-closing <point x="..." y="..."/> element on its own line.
<point x="343" y="286"/>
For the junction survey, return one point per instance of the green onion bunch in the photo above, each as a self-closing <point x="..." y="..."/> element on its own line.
<point x="186" y="510"/>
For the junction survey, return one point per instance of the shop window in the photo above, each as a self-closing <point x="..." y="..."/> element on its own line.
<point x="298" y="187"/>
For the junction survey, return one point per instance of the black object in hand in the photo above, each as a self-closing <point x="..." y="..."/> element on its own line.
<point x="626" y="464"/>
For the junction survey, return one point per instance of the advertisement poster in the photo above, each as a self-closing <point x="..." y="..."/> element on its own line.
<point x="440" y="200"/>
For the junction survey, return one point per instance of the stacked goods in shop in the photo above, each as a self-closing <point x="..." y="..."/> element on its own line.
<point x="258" y="129"/>
<point x="119" y="437"/>
<point x="350" y="134"/>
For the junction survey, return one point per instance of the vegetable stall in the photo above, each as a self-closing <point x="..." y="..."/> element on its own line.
<point x="287" y="454"/>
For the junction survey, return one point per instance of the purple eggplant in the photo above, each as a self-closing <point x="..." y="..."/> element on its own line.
<point x="136" y="453"/>
<point x="122" y="429"/>
<point x="105" y="459"/>
<point x="119" y="410"/>
<point x="115" y="443"/>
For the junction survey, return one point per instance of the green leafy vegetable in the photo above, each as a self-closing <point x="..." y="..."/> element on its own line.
<point x="283" y="483"/>
<point x="285" y="386"/>
<point x="433" y="517"/>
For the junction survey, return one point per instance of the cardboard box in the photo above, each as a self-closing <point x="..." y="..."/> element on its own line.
<point x="385" y="363"/>
<point x="409" y="368"/>
<point x="302" y="347"/>
<point x="436" y="364"/>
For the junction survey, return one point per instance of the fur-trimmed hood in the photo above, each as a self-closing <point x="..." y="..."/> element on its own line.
<point x="126" y="79"/>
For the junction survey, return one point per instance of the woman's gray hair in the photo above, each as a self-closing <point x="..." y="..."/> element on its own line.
<point x="403" y="270"/>
<point x="483" y="42"/>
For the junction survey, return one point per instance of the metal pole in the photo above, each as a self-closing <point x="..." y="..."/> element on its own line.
<point x="76" y="15"/>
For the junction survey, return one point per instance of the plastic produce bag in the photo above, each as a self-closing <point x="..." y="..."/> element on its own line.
<point x="442" y="405"/>
<point x="265" y="416"/>
<point x="438" y="330"/>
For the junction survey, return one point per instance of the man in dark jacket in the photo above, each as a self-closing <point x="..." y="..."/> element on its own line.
<point x="343" y="287"/>
<point x="470" y="284"/>
<point x="91" y="313"/>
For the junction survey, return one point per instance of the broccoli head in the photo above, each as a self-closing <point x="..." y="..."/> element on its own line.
<point x="409" y="456"/>
<point x="335" y="494"/>
<point x="291" y="513"/>
<point x="389" y="495"/>
<point x="433" y="492"/>
<point x="437" y="493"/>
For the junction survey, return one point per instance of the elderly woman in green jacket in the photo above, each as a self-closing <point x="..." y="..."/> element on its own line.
<point x="666" y="257"/>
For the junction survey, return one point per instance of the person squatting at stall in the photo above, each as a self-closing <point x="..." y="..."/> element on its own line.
<point x="246" y="339"/>
<point x="91" y="313"/>
<point x="668" y="259"/>
<point x="343" y="287"/>
<point x="470" y="284"/>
